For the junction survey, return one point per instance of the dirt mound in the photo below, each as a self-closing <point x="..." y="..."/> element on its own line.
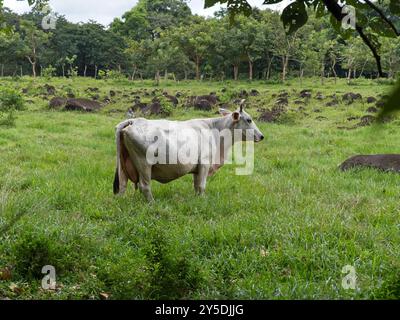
<point x="90" y="89"/>
<point x="203" y="104"/>
<point x="385" y="162"/>
<point x="332" y="103"/>
<point x="371" y="100"/>
<point x="51" y="90"/>
<point x="82" y="105"/>
<point x="366" y="121"/>
<point x="254" y="93"/>
<point x="272" y="115"/>
<point x="350" y="97"/>
<point x="139" y="106"/>
<point x="306" y="93"/>
<point x="57" y="103"/>
<point x="372" y="110"/>
<point x="172" y="99"/>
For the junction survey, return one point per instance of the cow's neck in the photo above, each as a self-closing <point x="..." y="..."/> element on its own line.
<point x="221" y="124"/>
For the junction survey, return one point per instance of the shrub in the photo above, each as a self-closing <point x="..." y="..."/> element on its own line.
<point x="10" y="101"/>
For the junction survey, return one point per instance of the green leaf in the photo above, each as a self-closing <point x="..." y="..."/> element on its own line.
<point x="394" y="6"/>
<point x="393" y="103"/>
<point x="294" y="16"/>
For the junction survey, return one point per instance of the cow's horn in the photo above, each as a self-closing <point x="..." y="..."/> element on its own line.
<point x="242" y="105"/>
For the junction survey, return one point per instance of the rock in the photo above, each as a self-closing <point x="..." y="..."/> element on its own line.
<point x="372" y="110"/>
<point x="82" y="105"/>
<point x="319" y="96"/>
<point x="385" y="162"/>
<point x="371" y="100"/>
<point x="57" y="103"/>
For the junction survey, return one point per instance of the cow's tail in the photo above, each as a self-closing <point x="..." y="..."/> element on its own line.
<point x="120" y="175"/>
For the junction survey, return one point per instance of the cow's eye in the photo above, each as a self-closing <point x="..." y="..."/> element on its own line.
<point x="249" y="120"/>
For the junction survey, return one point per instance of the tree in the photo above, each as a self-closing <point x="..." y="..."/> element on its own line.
<point x="195" y="40"/>
<point x="150" y="17"/>
<point x="34" y="40"/>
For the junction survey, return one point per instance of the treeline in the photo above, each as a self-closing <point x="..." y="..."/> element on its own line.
<point x="162" y="38"/>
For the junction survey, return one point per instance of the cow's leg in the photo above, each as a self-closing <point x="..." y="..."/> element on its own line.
<point x="200" y="179"/>
<point x="145" y="183"/>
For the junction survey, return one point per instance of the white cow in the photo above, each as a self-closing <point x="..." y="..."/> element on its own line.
<point x="142" y="144"/>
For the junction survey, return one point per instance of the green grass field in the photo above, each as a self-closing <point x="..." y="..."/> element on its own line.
<point x="284" y="232"/>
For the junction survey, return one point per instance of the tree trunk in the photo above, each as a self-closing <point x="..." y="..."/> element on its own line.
<point x="250" y="70"/>
<point x="186" y="75"/>
<point x="63" y="70"/>
<point x="197" y="68"/>
<point x="334" y="71"/>
<point x="21" y="71"/>
<point x="285" y="60"/>
<point x="34" y="69"/>
<point x="2" y="70"/>
<point x="166" y="74"/>
<point x="158" y="77"/>
<point x="84" y="71"/>
<point x="349" y="76"/>
<point x="322" y="73"/>
<point x="95" y="71"/>
<point x="269" y="69"/>
<point x="235" y="72"/>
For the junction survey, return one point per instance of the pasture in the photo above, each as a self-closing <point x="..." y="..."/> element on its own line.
<point x="284" y="232"/>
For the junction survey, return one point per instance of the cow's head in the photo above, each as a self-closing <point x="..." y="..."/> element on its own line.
<point x="241" y="120"/>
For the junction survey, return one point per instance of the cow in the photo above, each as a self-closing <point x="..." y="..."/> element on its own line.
<point x="135" y="137"/>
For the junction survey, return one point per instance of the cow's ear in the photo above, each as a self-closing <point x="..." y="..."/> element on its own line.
<point x="224" y="112"/>
<point x="236" y="116"/>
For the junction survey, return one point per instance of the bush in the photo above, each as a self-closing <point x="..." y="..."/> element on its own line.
<point x="10" y="101"/>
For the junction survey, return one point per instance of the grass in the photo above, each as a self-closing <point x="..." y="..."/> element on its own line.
<point x="284" y="232"/>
